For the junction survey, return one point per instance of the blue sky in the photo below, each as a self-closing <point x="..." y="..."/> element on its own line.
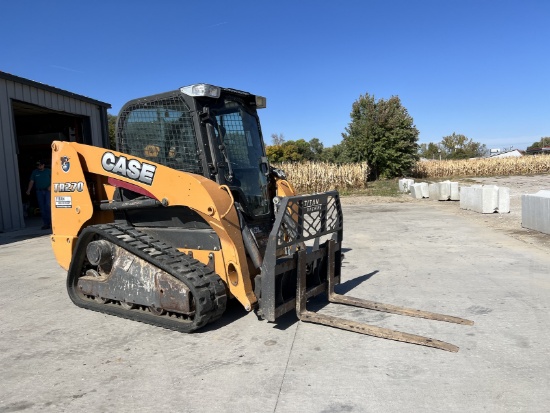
<point x="474" y="67"/>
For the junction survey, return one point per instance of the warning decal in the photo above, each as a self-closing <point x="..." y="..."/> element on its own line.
<point x="63" y="202"/>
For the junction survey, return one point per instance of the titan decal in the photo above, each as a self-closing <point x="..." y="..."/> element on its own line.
<point x="312" y="205"/>
<point x="132" y="169"/>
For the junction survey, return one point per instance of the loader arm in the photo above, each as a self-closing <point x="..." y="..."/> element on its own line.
<point x="84" y="178"/>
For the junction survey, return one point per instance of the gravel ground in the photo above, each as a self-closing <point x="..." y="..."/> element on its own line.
<point x="508" y="223"/>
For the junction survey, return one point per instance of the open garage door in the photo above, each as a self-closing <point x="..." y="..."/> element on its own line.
<point x="36" y="128"/>
<point x="32" y="115"/>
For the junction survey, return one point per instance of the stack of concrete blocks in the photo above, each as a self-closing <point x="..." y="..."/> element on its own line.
<point x="485" y="199"/>
<point x="405" y="185"/>
<point x="444" y="191"/>
<point x="420" y="190"/>
<point x="535" y="211"/>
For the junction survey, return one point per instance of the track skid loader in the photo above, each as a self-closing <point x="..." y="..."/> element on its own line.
<point x="187" y="213"/>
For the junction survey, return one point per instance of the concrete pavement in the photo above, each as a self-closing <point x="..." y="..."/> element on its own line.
<point x="56" y="357"/>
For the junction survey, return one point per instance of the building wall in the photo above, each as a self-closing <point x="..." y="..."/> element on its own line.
<point x="510" y="154"/>
<point x="11" y="87"/>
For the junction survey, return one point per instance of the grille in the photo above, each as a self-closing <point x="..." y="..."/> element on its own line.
<point x="309" y="217"/>
<point x="161" y="132"/>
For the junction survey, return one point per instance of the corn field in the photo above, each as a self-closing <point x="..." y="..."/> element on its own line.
<point x="311" y="177"/>
<point x="525" y="165"/>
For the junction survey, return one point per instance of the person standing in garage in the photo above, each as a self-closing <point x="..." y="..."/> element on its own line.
<point x="41" y="179"/>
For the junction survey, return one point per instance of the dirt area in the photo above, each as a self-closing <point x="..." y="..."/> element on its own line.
<point x="508" y="223"/>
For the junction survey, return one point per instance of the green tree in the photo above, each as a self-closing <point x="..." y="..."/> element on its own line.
<point x="383" y="134"/>
<point x="429" y="151"/>
<point x="291" y="151"/>
<point x="304" y="150"/>
<point x="274" y="153"/>
<point x="316" y="147"/>
<point x="111" y="122"/>
<point x="334" y="154"/>
<point x="457" y="146"/>
<point x="545" y="141"/>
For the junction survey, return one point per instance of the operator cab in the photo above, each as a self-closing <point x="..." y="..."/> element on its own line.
<point x="206" y="130"/>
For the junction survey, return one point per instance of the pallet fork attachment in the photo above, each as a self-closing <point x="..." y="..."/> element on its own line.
<point x="370" y="330"/>
<point x="293" y="272"/>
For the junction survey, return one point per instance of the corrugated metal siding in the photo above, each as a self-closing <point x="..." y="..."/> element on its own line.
<point x="11" y="214"/>
<point x="10" y="196"/>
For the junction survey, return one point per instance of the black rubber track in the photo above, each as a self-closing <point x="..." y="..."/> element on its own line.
<point x="206" y="286"/>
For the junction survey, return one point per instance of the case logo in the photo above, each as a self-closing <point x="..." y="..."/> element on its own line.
<point x="65" y="164"/>
<point x="132" y="169"/>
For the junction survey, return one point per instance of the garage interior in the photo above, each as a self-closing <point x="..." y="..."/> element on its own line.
<point x="36" y="128"/>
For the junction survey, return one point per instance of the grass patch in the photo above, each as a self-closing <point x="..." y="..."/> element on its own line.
<point x="381" y="187"/>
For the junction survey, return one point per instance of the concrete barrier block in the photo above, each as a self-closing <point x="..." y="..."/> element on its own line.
<point x="503" y="200"/>
<point x="433" y="192"/>
<point x="416" y="191"/>
<point x="465" y="197"/>
<point x="481" y="198"/>
<point x="469" y="197"/>
<point x="444" y="191"/>
<point x="405" y="184"/>
<point x="425" y="189"/>
<point x="420" y="190"/>
<point x="535" y="211"/>
<point x="477" y="199"/>
<point x="485" y="199"/>
<point x="455" y="193"/>
<point x="489" y="199"/>
<point x="471" y="193"/>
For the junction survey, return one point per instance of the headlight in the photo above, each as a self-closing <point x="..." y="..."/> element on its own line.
<point x="261" y="102"/>
<point x="201" y="89"/>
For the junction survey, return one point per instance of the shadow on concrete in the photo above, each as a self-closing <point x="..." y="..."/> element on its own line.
<point x="31" y="230"/>
<point x="233" y="312"/>
<point x="349" y="285"/>
<point x="317" y="303"/>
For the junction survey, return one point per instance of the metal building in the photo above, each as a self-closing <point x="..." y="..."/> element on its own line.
<point x="32" y="115"/>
